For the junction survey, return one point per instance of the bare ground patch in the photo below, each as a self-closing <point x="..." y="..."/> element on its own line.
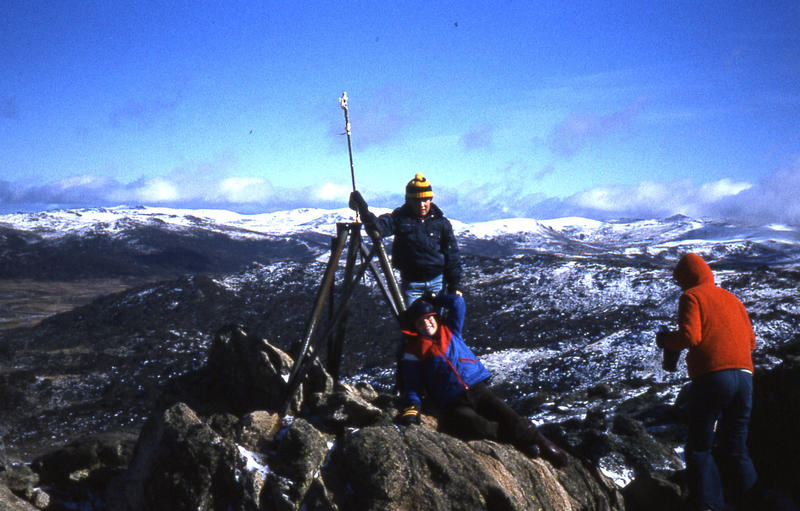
<point x="26" y="302"/>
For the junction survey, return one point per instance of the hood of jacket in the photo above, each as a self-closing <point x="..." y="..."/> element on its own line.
<point x="692" y="271"/>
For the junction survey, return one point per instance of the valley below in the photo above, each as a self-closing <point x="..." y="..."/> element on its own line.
<point x="26" y="302"/>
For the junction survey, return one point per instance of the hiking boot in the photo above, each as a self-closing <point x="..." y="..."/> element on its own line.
<point x="530" y="450"/>
<point x="550" y="451"/>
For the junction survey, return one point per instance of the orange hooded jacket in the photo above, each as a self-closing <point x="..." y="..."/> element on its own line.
<point x="712" y="323"/>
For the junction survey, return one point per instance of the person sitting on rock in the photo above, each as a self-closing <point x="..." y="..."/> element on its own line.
<point x="437" y="361"/>
<point x="713" y="325"/>
<point x="424" y="248"/>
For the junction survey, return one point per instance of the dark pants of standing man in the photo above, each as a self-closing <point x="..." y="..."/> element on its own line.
<point x="722" y="397"/>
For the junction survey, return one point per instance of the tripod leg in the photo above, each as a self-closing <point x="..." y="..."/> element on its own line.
<point x="337" y="316"/>
<point x="387" y="295"/>
<point x="337" y="340"/>
<point x="387" y="269"/>
<point x="331" y="307"/>
<point x="296" y="375"/>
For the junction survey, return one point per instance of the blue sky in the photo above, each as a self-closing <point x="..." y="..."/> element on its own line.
<point x="510" y="108"/>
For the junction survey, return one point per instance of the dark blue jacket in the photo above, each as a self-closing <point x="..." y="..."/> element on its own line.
<point x="444" y="366"/>
<point x="423" y="248"/>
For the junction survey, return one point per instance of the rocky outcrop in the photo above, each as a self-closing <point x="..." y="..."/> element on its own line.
<point x="10" y="502"/>
<point x="78" y="472"/>
<point x="416" y="467"/>
<point x="182" y="463"/>
<point x="216" y="442"/>
<point x="75" y="461"/>
<point x="19" y="487"/>
<point x="340" y="451"/>
<point x="775" y="424"/>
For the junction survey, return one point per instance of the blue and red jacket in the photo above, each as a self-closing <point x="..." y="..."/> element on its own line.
<point x="442" y="366"/>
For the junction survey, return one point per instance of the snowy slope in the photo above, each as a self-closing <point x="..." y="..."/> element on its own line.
<point x="668" y="237"/>
<point x="112" y="221"/>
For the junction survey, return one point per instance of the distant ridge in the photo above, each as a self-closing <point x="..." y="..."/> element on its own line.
<point x="140" y="240"/>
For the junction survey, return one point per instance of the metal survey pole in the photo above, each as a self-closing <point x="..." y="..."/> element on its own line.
<point x="343" y="104"/>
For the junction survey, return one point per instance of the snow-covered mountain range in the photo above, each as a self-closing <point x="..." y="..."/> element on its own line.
<point x="775" y="244"/>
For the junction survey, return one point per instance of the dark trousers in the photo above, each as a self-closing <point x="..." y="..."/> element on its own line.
<point x="724" y="398"/>
<point x="479" y="413"/>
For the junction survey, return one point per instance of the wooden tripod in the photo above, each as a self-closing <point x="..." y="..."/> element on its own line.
<point x="335" y="329"/>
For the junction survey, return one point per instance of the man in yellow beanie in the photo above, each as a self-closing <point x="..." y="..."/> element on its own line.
<point x="424" y="249"/>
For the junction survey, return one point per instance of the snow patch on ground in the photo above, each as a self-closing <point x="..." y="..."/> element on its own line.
<point x="513" y="364"/>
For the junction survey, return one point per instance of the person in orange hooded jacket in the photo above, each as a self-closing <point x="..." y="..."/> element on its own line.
<point x="713" y="325"/>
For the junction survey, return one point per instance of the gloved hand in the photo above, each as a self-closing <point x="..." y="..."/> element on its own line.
<point x="409" y="415"/>
<point x="661" y="336"/>
<point x="357" y="202"/>
<point x="669" y="361"/>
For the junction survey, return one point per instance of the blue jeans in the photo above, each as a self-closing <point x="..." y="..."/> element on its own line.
<point x="725" y="398"/>
<point x="413" y="290"/>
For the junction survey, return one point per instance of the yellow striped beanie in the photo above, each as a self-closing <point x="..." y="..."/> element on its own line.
<point x="419" y="188"/>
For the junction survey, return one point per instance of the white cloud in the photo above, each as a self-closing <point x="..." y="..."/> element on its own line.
<point x="723" y="188"/>
<point x="652" y="199"/>
<point x="648" y="199"/>
<point x="623" y="198"/>
<point x="772" y="200"/>
<point x="243" y="189"/>
<point x="332" y="192"/>
<point x="157" y="190"/>
<point x="81" y="181"/>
